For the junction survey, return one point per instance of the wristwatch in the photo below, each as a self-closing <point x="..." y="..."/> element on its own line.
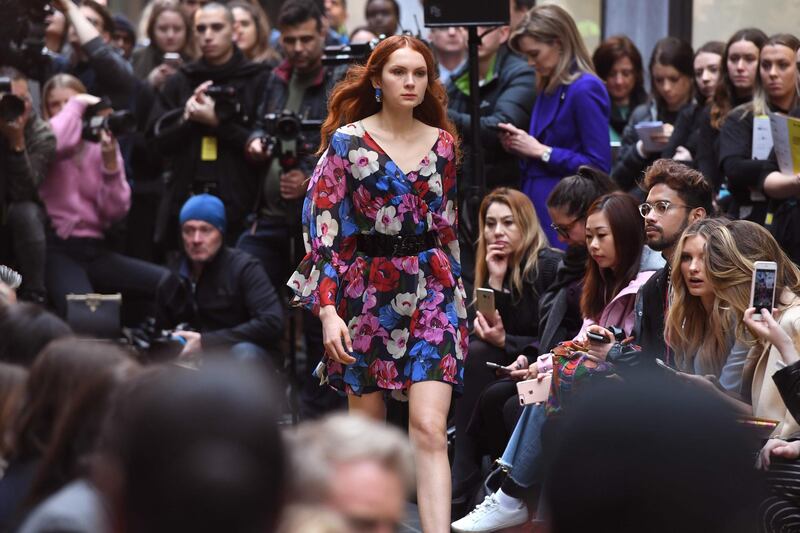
<point x="546" y="155"/>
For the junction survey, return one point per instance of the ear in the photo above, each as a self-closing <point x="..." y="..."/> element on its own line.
<point x="698" y="213"/>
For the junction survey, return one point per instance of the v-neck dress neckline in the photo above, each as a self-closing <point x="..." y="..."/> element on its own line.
<point x="422" y="159"/>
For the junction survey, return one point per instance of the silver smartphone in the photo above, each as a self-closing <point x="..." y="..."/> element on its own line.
<point x="762" y="289"/>
<point x="484" y="302"/>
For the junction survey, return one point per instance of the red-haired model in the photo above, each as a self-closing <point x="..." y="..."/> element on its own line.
<point x="383" y="266"/>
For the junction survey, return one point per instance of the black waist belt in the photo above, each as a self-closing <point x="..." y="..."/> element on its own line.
<point x="378" y="245"/>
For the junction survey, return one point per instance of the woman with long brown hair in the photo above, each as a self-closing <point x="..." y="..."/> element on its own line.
<point x="382" y="268"/>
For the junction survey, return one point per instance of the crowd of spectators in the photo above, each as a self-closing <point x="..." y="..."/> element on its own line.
<point x="167" y="160"/>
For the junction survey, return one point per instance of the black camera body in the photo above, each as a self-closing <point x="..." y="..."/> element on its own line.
<point x="281" y="129"/>
<point x="22" y="36"/>
<point x="226" y="102"/>
<point x="118" y="123"/>
<point x="11" y="106"/>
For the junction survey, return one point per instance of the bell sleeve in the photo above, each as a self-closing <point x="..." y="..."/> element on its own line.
<point x="328" y="232"/>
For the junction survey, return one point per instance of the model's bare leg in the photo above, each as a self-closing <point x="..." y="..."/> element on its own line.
<point x="371" y="405"/>
<point x="429" y="404"/>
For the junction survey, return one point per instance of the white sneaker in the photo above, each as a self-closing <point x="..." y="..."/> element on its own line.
<point x="489" y="516"/>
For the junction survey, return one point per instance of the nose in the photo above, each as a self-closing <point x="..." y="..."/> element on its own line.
<point x="694" y="266"/>
<point x="409" y="79"/>
<point x="593" y="244"/>
<point x="706" y="76"/>
<point x="650" y="218"/>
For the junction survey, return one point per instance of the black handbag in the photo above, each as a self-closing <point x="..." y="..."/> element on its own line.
<point x="788" y="382"/>
<point x="95" y="315"/>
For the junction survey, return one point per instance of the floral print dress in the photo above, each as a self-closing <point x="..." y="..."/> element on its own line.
<point x="406" y="315"/>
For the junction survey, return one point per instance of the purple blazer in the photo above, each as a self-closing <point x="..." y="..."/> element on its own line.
<point x="573" y="120"/>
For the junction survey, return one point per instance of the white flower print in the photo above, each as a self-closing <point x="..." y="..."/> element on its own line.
<point x="387" y="221"/>
<point x="364" y="162"/>
<point x="404" y="303"/>
<point x="397" y="344"/>
<point x="311" y="283"/>
<point x="422" y="286"/>
<point x="354" y="129"/>
<point x="428" y="164"/>
<point x="435" y="184"/>
<point x="461" y="308"/>
<point x="327" y="228"/>
<point x="450" y="213"/>
<point x="458" y="349"/>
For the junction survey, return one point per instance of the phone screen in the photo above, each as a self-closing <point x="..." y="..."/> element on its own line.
<point x="764" y="289"/>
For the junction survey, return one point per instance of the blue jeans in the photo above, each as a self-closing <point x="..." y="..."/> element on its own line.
<point x="248" y="351"/>
<point x="523" y="454"/>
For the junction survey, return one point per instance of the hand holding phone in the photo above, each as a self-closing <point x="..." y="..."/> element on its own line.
<point x="499" y="368"/>
<point x="762" y="287"/>
<point x="484" y="302"/>
<point x="597" y="337"/>
<point x="534" y="390"/>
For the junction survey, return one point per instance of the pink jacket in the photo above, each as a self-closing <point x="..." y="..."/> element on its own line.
<point x="81" y="198"/>
<point x="620" y="310"/>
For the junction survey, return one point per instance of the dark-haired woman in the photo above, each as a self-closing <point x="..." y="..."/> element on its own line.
<point x="735" y="87"/>
<point x="671" y="75"/>
<point x="619" y="64"/>
<point x="169" y="31"/>
<point x="685" y="138"/>
<point x="744" y="165"/>
<point x="383" y="17"/>
<point x="382" y="268"/>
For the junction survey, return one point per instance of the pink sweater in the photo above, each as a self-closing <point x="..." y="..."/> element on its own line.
<point x="81" y="197"/>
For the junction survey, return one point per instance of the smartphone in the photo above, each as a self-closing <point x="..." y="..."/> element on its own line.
<point x="597" y="337"/>
<point x="172" y="59"/>
<point x="666" y="367"/>
<point x="495" y="366"/>
<point x="484" y="302"/>
<point x="533" y="390"/>
<point x="762" y="290"/>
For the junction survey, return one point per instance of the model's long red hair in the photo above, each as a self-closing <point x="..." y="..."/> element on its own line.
<point x="353" y="98"/>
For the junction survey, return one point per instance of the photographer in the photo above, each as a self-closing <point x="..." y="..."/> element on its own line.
<point x="27" y="146"/>
<point x="84" y="192"/>
<point x="94" y="61"/>
<point x="204" y="116"/>
<point x="301" y="85"/>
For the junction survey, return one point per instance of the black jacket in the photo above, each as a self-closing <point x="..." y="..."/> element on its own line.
<point x="686" y="133"/>
<point x="509" y="97"/>
<point x="230" y="176"/>
<point x="232" y="302"/>
<point x="560" y="316"/>
<point x="520" y="314"/>
<point x="650" y="310"/>
<point x="22" y="173"/>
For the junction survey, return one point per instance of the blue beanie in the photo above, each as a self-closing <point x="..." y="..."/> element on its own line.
<point x="204" y="207"/>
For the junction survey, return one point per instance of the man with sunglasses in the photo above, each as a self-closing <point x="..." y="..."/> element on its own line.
<point x="677" y="196"/>
<point x="203" y="119"/>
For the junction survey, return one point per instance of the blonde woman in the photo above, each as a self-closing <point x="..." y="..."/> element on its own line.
<point x="569" y="125"/>
<point x="514" y="259"/>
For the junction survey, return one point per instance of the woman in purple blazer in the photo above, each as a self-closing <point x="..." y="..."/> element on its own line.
<point x="569" y="124"/>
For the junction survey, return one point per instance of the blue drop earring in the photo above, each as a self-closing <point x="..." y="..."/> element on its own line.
<point x="378" y="95"/>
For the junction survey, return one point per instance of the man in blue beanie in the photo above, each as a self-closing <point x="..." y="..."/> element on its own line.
<point x="223" y="294"/>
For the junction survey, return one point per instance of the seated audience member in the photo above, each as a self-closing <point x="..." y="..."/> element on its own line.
<point x="93" y="59"/>
<point x="25" y="329"/>
<point x="620" y="263"/>
<point x="735" y="87"/>
<point x="671" y="74"/>
<point x="251" y="32"/>
<point x="27" y="148"/>
<point x="569" y="123"/>
<point x="361" y="469"/>
<point x="220" y="292"/>
<point x="383" y="17"/>
<point x="63" y="368"/>
<point x="450" y="48"/>
<point x="507" y="94"/>
<point x="677" y="196"/>
<point x="516" y="263"/>
<point x="650" y="456"/>
<point x="84" y="192"/>
<point x="169" y="30"/>
<point x="60" y="497"/>
<point x="685" y="138"/>
<point x="744" y="165"/>
<point x="196" y="451"/>
<point x="619" y="64"/>
<point x="203" y="135"/>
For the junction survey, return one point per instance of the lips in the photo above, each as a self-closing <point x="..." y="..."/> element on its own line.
<point x="652" y="229"/>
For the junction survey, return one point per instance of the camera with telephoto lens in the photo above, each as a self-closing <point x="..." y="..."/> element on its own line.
<point x="117" y="123"/>
<point x="283" y="129"/>
<point x="226" y="103"/>
<point x="11" y="106"/>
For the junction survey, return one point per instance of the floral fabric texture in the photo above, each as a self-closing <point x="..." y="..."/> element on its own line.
<point x="406" y="315"/>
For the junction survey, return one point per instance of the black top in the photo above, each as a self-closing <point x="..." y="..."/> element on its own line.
<point x="735" y="154"/>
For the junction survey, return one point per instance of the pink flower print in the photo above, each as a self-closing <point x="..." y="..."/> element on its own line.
<point x="365" y="203"/>
<point x="363" y="329"/>
<point x="369" y="300"/>
<point x="444" y="148"/>
<point x="354" y="279"/>
<point x="384" y="373"/>
<point x="410" y="204"/>
<point x="408" y="264"/>
<point x="432" y="325"/>
<point x="449" y="368"/>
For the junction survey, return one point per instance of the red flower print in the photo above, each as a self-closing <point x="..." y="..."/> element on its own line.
<point x="449" y="368"/>
<point x="327" y="292"/>
<point x="383" y="275"/>
<point x="441" y="268"/>
<point x="385" y="373"/>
